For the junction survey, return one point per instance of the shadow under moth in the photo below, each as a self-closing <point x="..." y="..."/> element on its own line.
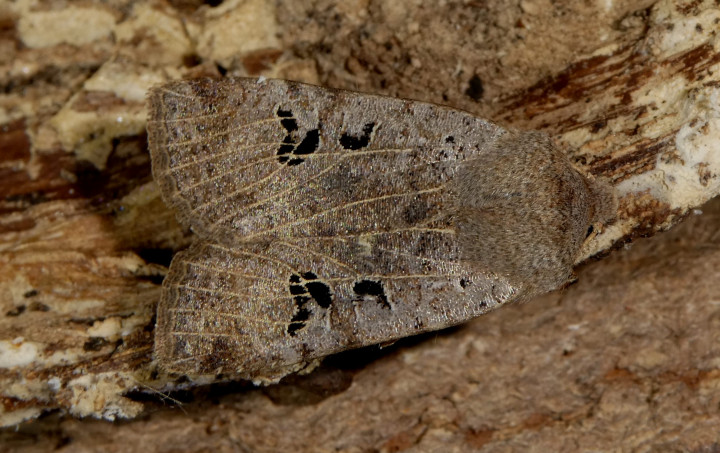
<point x="329" y="220"/>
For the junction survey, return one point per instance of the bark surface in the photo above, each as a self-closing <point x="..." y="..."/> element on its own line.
<point x="626" y="359"/>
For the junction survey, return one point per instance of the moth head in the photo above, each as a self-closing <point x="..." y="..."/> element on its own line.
<point x="523" y="210"/>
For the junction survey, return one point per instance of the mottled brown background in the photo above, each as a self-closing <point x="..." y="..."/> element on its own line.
<point x="627" y="359"/>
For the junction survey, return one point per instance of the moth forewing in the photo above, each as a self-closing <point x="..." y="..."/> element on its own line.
<point x="261" y="310"/>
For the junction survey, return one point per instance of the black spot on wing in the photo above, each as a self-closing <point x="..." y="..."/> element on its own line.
<point x="374" y="289"/>
<point x="293" y="327"/>
<point x="353" y="142"/>
<point x="302" y="315"/>
<point x="309" y="144"/>
<point x="290" y="124"/>
<point x="292" y="146"/>
<point x="304" y="288"/>
<point x="320" y="292"/>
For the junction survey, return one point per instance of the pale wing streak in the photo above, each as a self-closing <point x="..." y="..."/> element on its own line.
<point x="238" y="274"/>
<point x="198" y="357"/>
<point x="197" y="117"/>
<point x="217" y="200"/>
<point x="423" y="226"/>
<point x="430" y="260"/>
<point x="379" y="233"/>
<point x="323" y="255"/>
<point x="262" y="257"/>
<point x="253" y="145"/>
<point x="342" y="156"/>
<point x="213" y="202"/>
<point x="208" y="290"/>
<point x="346" y="206"/>
<point x="389" y="150"/>
<point x="343" y="237"/>
<point x="223" y="174"/>
<point x="235" y="128"/>
<point x="229" y="293"/>
<point x="455" y="162"/>
<point x="348" y="266"/>
<point x="201" y="334"/>
<point x="230" y="151"/>
<point x="359" y="153"/>
<point x="175" y="362"/>
<point x="385" y="277"/>
<point x="277" y="194"/>
<point x="258" y="321"/>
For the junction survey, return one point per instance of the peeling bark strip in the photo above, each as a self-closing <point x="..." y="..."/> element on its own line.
<point x="643" y="115"/>
<point x="383" y="227"/>
<point x="615" y="80"/>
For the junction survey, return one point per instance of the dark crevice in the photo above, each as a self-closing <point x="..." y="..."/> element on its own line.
<point x="162" y="256"/>
<point x="475" y="88"/>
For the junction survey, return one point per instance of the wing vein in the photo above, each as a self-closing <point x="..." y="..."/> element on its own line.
<point x="216" y="201"/>
<point x="204" y="137"/>
<point x="346" y="206"/>
<point x="256" y="255"/>
<point x="243" y="317"/>
<point x="197" y="117"/>
<point x="323" y="255"/>
<point x="378" y="233"/>
<point x="226" y="271"/>
<point x="227" y="293"/>
<point x="230" y="151"/>
<point x="342" y="156"/>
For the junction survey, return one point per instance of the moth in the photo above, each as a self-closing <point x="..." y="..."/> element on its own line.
<point x="330" y="219"/>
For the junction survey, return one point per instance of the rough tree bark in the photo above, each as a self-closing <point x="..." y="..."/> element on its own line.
<point x="626" y="359"/>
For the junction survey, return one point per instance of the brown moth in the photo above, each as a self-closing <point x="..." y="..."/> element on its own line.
<point x="329" y="219"/>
